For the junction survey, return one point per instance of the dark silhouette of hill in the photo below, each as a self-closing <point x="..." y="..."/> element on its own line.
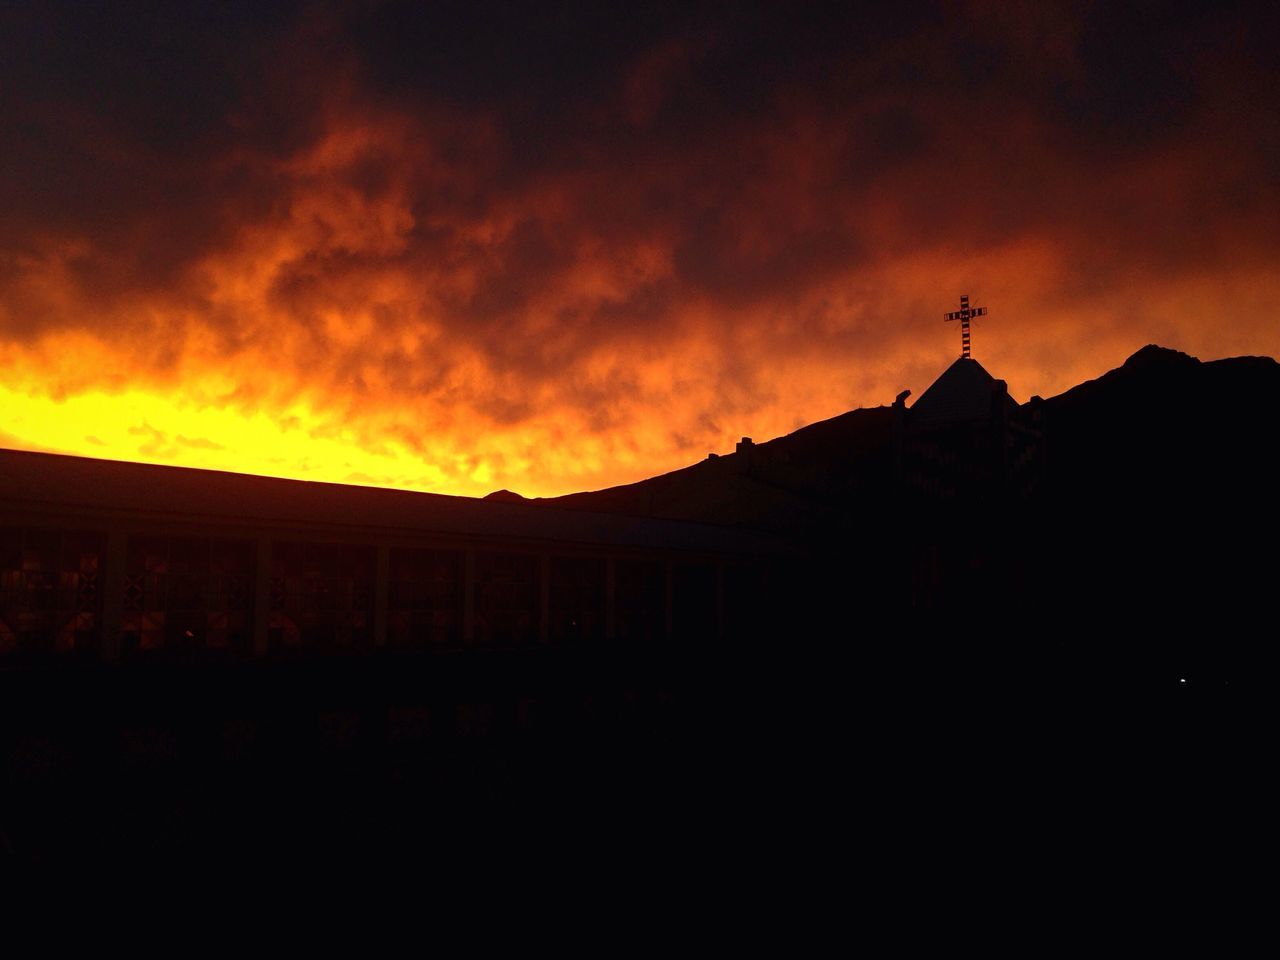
<point x="1159" y="516"/>
<point x="820" y="473"/>
<point x="1164" y="431"/>
<point x="505" y="496"/>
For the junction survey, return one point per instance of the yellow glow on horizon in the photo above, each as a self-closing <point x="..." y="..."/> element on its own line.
<point x="153" y="428"/>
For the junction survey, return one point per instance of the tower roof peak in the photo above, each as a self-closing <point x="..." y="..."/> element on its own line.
<point x="963" y="392"/>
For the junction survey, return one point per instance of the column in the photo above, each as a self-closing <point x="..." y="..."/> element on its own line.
<point x="113" y="565"/>
<point x="544" y="598"/>
<point x="469" y="598"/>
<point x="262" y="598"/>
<point x="381" y="592"/>
<point x="668" y="605"/>
<point x="720" y="630"/>
<point x="610" y="600"/>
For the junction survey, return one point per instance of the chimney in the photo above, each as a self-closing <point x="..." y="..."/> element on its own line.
<point x="899" y="429"/>
<point x="744" y="455"/>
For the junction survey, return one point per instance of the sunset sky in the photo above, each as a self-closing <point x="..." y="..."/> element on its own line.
<point x="554" y="247"/>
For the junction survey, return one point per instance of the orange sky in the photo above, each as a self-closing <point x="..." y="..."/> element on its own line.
<point x="570" y="254"/>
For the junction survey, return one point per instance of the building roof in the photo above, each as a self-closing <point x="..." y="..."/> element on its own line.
<point x="833" y="471"/>
<point x="43" y="482"/>
<point x="963" y="392"/>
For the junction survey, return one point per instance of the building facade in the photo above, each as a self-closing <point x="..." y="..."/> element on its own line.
<point x="117" y="561"/>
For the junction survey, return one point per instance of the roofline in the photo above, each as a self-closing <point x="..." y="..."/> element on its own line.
<point x="535" y="521"/>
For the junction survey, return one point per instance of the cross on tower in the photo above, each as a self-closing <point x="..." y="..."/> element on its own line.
<point x="964" y="315"/>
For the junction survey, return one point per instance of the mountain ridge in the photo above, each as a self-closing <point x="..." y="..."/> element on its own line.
<point x="1118" y="432"/>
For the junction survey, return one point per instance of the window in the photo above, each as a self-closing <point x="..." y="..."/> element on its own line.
<point x="693" y="602"/>
<point x="188" y="595"/>
<point x="50" y="590"/>
<point x="576" y="600"/>
<point x="321" y="596"/>
<point x="506" y="600"/>
<point x="425" y="599"/>
<point x="747" y="603"/>
<point x="640" y="601"/>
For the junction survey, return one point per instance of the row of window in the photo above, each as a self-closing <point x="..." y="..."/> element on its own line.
<point x="185" y="594"/>
<point x="50" y="589"/>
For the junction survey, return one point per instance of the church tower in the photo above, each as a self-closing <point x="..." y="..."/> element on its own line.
<point x="966" y="440"/>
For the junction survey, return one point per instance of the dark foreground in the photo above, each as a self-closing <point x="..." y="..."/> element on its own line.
<point x="424" y="764"/>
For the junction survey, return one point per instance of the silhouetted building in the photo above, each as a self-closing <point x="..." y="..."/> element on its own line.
<point x="968" y="460"/>
<point x="377" y="664"/>
<point x="966" y="439"/>
<point x="117" y="560"/>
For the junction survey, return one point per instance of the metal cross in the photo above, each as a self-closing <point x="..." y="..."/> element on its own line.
<point x="964" y="315"/>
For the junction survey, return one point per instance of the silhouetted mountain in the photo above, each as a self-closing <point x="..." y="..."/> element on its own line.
<point x="1167" y="432"/>
<point x="505" y="496"/>
<point x="1164" y="431"/>
<point x="1159" y="514"/>
<point x="802" y="480"/>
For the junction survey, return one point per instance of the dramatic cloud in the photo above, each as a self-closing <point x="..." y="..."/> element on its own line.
<point x="554" y="248"/>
